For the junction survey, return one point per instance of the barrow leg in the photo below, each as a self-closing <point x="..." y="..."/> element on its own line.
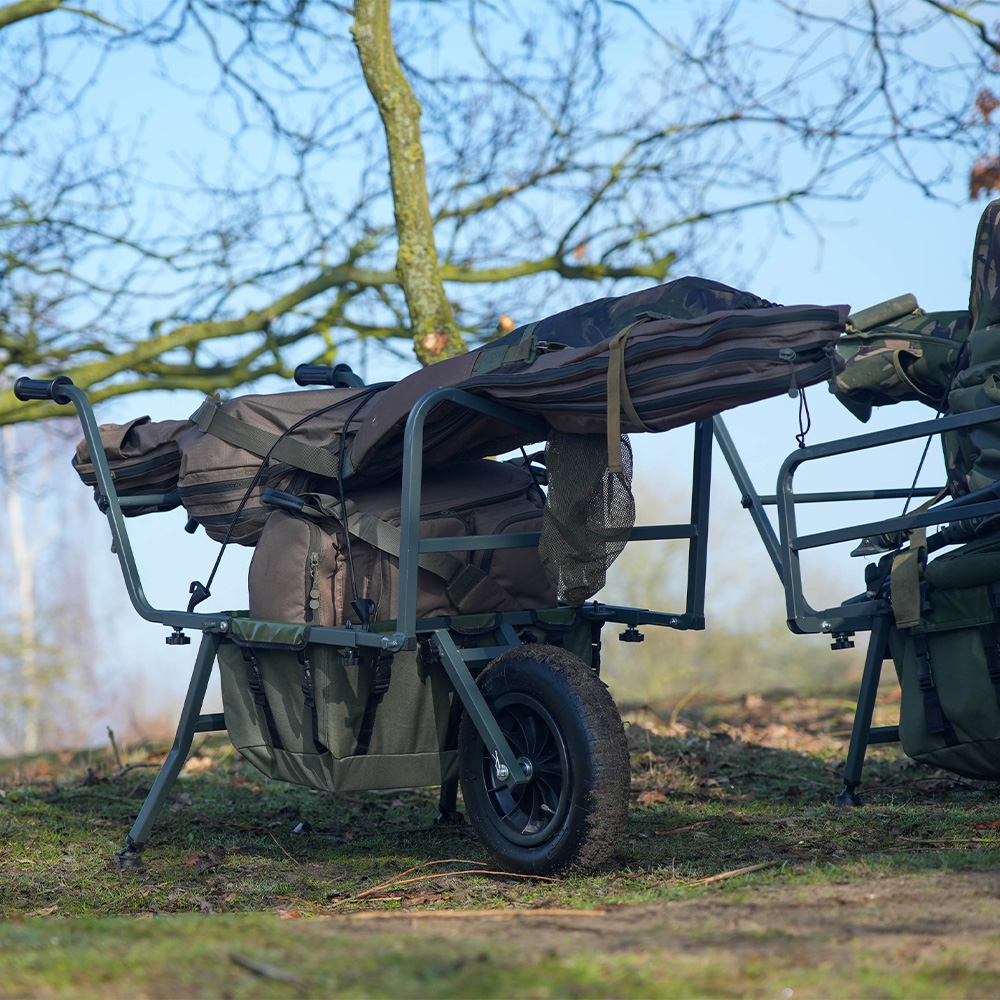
<point x="861" y="733"/>
<point x="191" y="721"/>
<point x="448" y="804"/>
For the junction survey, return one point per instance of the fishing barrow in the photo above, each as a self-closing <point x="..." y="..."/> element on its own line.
<point x="511" y="703"/>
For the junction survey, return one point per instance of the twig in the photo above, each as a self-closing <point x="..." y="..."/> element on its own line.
<point x="423" y="878"/>
<point x="399" y="880"/>
<point x="283" y="851"/>
<point x="517" y="913"/>
<point x="682" y="829"/>
<point x="114" y="748"/>
<point x="732" y="874"/>
<point x="265" y="970"/>
<point x="951" y="842"/>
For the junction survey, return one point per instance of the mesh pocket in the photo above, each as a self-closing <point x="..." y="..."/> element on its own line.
<point x="589" y="513"/>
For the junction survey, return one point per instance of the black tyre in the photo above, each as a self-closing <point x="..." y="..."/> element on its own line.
<point x="562" y="724"/>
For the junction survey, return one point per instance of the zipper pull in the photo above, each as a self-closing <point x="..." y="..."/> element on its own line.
<point x="313" y="588"/>
<point x="787" y="354"/>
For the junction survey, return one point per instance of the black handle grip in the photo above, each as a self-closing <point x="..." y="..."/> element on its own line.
<point x="42" y="388"/>
<point x="341" y="376"/>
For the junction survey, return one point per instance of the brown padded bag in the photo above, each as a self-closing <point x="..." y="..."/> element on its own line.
<point x="144" y="457"/>
<point x="299" y="572"/>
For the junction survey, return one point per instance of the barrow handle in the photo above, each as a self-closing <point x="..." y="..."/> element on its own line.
<point x="341" y="376"/>
<point x="43" y="388"/>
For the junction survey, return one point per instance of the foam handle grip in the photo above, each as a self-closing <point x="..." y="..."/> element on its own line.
<point x="335" y="375"/>
<point x="313" y="375"/>
<point x="26" y="389"/>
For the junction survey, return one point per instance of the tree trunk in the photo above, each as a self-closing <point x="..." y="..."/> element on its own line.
<point x="435" y="332"/>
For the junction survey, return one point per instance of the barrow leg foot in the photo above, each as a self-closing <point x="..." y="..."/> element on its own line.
<point x="849" y="798"/>
<point x="448" y="814"/>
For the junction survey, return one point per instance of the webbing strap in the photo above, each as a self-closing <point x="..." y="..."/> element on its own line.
<point x="467" y="585"/>
<point x="904" y="582"/>
<point x="488" y="359"/>
<point x="309" y="694"/>
<point x="936" y="721"/>
<point x="380" y="684"/>
<point x="256" y="685"/>
<point x="991" y="643"/>
<point x="619" y="398"/>
<point x="212" y="419"/>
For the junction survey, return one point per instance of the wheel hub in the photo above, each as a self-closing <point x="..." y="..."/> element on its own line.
<point x="502" y="773"/>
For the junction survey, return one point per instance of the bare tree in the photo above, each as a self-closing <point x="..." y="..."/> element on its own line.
<point x="45" y="682"/>
<point x="569" y="149"/>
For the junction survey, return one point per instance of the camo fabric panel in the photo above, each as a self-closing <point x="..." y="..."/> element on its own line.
<point x="973" y="459"/>
<point x="593" y="322"/>
<point x="912" y="359"/>
<point x="984" y="298"/>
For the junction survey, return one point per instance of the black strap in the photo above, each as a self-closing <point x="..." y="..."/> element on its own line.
<point x="309" y="693"/>
<point x="991" y="641"/>
<point x="937" y="721"/>
<point x="380" y="684"/>
<point x="256" y="685"/>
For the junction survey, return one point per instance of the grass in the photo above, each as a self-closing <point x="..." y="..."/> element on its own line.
<point x="732" y="805"/>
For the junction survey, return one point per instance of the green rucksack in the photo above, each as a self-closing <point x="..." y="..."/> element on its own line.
<point x="948" y="665"/>
<point x="944" y="641"/>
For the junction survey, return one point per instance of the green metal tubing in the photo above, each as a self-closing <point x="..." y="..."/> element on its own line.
<point x="751" y="501"/>
<point x="770" y="500"/>
<point x="858" y="616"/>
<point x="410" y="545"/>
<point x="904" y="522"/>
<point x="701" y="486"/>
<point x="119" y="533"/>
<point x="475" y="704"/>
<point x="188" y="725"/>
<point x="861" y="730"/>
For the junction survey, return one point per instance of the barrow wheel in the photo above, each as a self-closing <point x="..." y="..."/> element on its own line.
<point x="565" y="730"/>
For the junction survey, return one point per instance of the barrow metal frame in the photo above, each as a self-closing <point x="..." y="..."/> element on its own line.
<point x="458" y="663"/>
<point x="864" y="613"/>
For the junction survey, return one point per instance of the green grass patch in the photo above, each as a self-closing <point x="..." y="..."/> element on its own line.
<point x="250" y="887"/>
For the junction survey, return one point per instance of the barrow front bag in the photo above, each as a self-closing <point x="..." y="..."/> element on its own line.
<point x="341" y="720"/>
<point x="284" y="440"/>
<point x="301" y="568"/>
<point x="306" y="714"/>
<point x="948" y="665"/>
<point x="219" y="462"/>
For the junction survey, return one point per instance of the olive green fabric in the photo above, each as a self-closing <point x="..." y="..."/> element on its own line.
<point x="957" y="615"/>
<point x="411" y="723"/>
<point x="968" y="700"/>
<point x="414" y="723"/>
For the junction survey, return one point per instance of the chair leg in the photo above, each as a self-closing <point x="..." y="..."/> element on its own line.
<point x="187" y="726"/>
<point x="877" y="649"/>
